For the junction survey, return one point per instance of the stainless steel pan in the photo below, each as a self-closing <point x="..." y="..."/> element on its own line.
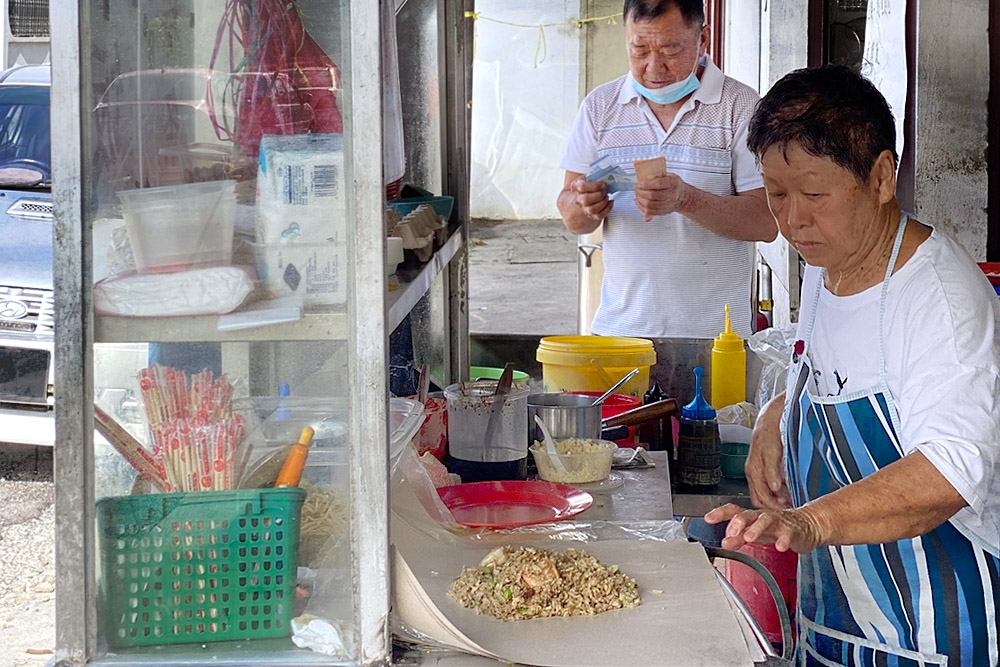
<point x="575" y="415"/>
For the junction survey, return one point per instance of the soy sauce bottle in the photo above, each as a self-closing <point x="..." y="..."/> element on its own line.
<point x="651" y="432"/>
<point x="699" y="451"/>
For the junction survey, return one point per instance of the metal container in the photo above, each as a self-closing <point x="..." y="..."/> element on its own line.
<point x="470" y="410"/>
<point x="566" y="415"/>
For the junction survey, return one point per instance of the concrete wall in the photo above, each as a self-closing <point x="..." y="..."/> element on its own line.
<point x="784" y="46"/>
<point x="26" y="51"/>
<point x="950" y="179"/>
<point x="605" y="57"/>
<point x="741" y="55"/>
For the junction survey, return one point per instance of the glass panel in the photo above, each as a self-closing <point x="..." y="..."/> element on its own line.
<point x="216" y="193"/>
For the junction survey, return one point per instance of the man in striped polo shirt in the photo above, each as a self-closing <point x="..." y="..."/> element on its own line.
<point x="680" y="246"/>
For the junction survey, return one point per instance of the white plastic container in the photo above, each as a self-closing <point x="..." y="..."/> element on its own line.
<point x="177" y="226"/>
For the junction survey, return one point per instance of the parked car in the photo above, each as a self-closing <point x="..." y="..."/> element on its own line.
<point x="26" y="297"/>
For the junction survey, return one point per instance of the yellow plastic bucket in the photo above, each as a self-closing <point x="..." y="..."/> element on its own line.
<point x="595" y="363"/>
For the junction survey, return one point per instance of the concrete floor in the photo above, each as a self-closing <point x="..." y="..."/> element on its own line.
<point x="522" y="278"/>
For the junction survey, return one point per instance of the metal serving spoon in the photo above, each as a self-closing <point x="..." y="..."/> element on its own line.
<point x="550" y="446"/>
<point x="614" y="388"/>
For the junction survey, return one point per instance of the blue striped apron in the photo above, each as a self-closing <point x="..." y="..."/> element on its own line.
<point x="930" y="600"/>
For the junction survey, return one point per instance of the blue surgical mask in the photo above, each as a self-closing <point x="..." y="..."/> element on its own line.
<point x="671" y="93"/>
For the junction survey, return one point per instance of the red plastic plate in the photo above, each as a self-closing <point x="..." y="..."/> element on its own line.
<point x="510" y="503"/>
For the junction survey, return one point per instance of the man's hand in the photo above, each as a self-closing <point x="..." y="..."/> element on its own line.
<point x="661" y="195"/>
<point x="592" y="198"/>
<point x="583" y="204"/>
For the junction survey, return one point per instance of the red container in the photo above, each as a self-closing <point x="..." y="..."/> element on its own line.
<point x="614" y="405"/>
<point x="753" y="590"/>
<point x="992" y="271"/>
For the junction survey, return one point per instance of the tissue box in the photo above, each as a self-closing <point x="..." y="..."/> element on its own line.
<point x="300" y="189"/>
<point x="300" y="222"/>
<point x="316" y="271"/>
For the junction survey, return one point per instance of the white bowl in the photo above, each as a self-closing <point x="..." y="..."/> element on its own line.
<point x="579" y="468"/>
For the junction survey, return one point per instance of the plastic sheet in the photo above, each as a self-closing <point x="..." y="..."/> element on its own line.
<point x="206" y="291"/>
<point x="415" y="500"/>
<point x="774" y="349"/>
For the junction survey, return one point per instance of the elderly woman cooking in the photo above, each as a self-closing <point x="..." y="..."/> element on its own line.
<point x="880" y="464"/>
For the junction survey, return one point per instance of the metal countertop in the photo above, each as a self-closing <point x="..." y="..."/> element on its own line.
<point x="646" y="495"/>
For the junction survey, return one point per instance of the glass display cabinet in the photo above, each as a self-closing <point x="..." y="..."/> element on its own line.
<point x="223" y="293"/>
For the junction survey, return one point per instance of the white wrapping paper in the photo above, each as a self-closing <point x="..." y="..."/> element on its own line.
<point x="684" y="619"/>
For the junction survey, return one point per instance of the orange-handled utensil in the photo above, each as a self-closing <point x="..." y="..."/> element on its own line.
<point x="295" y="463"/>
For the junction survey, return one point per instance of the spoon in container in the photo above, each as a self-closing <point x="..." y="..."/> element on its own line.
<point x="614" y="387"/>
<point x="499" y="396"/>
<point x="550" y="446"/>
<point x="423" y="385"/>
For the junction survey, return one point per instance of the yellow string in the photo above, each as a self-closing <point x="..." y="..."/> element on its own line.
<point x="541" y="46"/>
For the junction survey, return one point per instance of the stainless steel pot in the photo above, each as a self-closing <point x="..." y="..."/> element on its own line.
<point x="575" y="415"/>
<point x="566" y="415"/>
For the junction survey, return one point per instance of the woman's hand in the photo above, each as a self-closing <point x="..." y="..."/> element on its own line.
<point x="765" y="467"/>
<point x="794" y="529"/>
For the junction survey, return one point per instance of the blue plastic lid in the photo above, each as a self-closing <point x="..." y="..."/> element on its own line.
<point x="699" y="408"/>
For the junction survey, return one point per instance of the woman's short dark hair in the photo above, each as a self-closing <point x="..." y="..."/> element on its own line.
<point x="693" y="11"/>
<point x="830" y="111"/>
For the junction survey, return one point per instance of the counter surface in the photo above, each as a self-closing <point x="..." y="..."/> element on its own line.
<point x="646" y="495"/>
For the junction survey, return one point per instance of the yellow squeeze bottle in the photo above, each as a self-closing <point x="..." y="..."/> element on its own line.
<point x="729" y="368"/>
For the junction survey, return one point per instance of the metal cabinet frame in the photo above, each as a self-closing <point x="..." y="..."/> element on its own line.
<point x="365" y="327"/>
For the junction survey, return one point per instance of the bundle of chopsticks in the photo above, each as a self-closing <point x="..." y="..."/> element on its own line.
<point x="197" y="440"/>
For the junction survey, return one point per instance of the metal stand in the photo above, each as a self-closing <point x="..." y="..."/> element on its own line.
<point x="772" y="585"/>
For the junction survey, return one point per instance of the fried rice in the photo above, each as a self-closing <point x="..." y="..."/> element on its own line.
<point x="518" y="583"/>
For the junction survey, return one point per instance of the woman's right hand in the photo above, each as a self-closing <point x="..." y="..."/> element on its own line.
<point x="765" y="468"/>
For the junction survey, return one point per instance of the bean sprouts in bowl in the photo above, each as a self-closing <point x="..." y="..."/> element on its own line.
<point x="584" y="460"/>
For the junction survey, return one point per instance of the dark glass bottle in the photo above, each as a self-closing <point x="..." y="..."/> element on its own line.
<point x="651" y="433"/>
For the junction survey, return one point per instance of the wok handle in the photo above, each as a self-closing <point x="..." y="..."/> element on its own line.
<point x="642" y="414"/>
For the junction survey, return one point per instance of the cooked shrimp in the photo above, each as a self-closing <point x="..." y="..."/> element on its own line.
<point x="541" y="573"/>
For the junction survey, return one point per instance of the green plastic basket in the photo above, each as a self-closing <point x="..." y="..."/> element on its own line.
<point x="198" y="567"/>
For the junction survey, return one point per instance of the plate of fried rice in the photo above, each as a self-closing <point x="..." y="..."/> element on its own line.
<point x="525" y="582"/>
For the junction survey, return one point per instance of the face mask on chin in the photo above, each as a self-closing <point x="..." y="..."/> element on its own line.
<point x="673" y="92"/>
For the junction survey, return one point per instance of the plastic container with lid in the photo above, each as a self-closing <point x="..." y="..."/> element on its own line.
<point x="699" y="450"/>
<point x="595" y="363"/>
<point x="729" y="368"/>
<point x="177" y="226"/>
<point x="470" y="407"/>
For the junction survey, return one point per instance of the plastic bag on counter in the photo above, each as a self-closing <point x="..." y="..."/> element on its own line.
<point x="415" y="500"/>
<point x="206" y="291"/>
<point x="742" y="414"/>
<point x="412" y="481"/>
<point x="773" y="347"/>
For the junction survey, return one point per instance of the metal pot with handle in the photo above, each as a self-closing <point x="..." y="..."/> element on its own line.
<point x="566" y="415"/>
<point x="576" y="416"/>
<point x="616" y="427"/>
